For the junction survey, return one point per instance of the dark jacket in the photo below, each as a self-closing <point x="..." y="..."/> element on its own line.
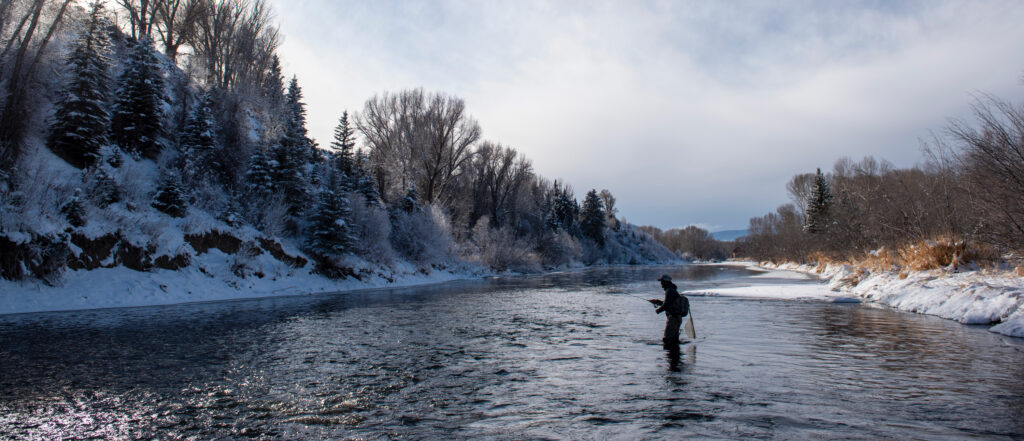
<point x="675" y="303"/>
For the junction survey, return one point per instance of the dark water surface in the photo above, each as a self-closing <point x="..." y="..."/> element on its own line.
<point x="569" y="355"/>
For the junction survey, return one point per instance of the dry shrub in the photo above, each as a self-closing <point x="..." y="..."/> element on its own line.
<point x="944" y="252"/>
<point x="1019" y="271"/>
<point x="930" y="255"/>
<point x="821" y="260"/>
<point x="882" y="259"/>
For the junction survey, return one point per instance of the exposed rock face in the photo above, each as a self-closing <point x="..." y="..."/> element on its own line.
<point x="214" y="239"/>
<point x="275" y="249"/>
<point x="46" y="257"/>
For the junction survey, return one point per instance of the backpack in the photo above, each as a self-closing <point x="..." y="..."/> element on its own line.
<point x="681" y="307"/>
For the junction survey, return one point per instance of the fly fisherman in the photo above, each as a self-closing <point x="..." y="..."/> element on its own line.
<point x="675" y="306"/>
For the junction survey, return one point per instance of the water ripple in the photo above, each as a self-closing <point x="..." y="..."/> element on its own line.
<point x="570" y="355"/>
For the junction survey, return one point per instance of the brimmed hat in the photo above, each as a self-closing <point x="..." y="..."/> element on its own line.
<point x="664" y="278"/>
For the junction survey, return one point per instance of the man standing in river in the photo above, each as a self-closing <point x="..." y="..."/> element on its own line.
<point x="675" y="306"/>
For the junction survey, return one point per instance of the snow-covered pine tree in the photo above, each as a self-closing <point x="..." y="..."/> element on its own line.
<point x="819" y="205"/>
<point x="296" y="140"/>
<point x="80" y="123"/>
<point x="592" y="217"/>
<point x="260" y="176"/>
<point x="550" y="216"/>
<point x="344" y="144"/>
<point x="566" y="211"/>
<point x="232" y="214"/>
<point x="137" y="122"/>
<point x="103" y="189"/>
<point x="330" y="230"/>
<point x="273" y="83"/>
<point x="73" y="210"/>
<point x="364" y="181"/>
<point x="288" y="172"/>
<point x="293" y="154"/>
<point x="169" y="198"/>
<point x="411" y="201"/>
<point x="197" y="144"/>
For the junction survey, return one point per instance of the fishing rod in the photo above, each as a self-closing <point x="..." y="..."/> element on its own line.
<point x="642" y="298"/>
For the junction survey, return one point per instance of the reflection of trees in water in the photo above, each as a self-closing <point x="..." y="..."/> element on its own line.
<point x="898" y="340"/>
<point x="914" y="346"/>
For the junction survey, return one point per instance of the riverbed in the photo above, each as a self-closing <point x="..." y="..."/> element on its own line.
<point x="567" y="355"/>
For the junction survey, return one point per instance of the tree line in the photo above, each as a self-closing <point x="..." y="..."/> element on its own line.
<point x="692" y="242"/>
<point x="962" y="202"/>
<point x="409" y="176"/>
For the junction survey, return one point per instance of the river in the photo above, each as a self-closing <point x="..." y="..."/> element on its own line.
<point x="572" y="355"/>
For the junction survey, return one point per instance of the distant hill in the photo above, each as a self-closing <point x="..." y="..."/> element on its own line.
<point x="728" y="235"/>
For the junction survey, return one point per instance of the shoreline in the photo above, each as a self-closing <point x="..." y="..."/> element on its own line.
<point x="104" y="288"/>
<point x="973" y="297"/>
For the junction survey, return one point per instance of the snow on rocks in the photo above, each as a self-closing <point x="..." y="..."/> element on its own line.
<point x="969" y="297"/>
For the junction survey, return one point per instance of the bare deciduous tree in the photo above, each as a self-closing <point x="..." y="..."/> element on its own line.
<point x="993" y="154"/>
<point x="498" y="175"/>
<point x="177" y="23"/>
<point x="24" y="49"/>
<point x="142" y="16"/>
<point x="609" y="208"/>
<point x="235" y="41"/>
<point x="418" y="138"/>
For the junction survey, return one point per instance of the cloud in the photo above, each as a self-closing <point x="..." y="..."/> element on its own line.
<point x="690" y="112"/>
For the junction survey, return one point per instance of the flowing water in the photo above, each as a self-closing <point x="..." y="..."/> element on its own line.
<point x="571" y="355"/>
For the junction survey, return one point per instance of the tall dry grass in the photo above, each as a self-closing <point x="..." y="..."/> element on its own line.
<point x="941" y="252"/>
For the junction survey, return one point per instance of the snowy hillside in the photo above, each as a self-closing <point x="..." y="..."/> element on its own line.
<point x="148" y="178"/>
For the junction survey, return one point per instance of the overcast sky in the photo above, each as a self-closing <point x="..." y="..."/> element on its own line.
<point x="689" y="112"/>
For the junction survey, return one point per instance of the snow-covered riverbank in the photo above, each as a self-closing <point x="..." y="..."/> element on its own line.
<point x="775" y="284"/>
<point x="969" y="297"/>
<point x="210" y="279"/>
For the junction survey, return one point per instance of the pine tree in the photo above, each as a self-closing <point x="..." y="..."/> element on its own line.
<point x="293" y="154"/>
<point x="260" y="176"/>
<point x="344" y="151"/>
<point x="411" y="201"/>
<point x="197" y="144"/>
<point x="330" y="231"/>
<point x="103" y="189"/>
<point x="232" y="214"/>
<point x="288" y="173"/>
<point x="819" y="206"/>
<point x="565" y="210"/>
<point x="169" y="198"/>
<point x="592" y="217"/>
<point x="73" y="210"/>
<point x="274" y="96"/>
<point x="364" y="181"/>
<point x="296" y="140"/>
<point x="550" y="217"/>
<point x="137" y="122"/>
<point x="273" y="83"/>
<point x="80" y="122"/>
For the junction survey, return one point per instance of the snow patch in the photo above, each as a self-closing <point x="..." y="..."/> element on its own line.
<point x="774" y="284"/>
